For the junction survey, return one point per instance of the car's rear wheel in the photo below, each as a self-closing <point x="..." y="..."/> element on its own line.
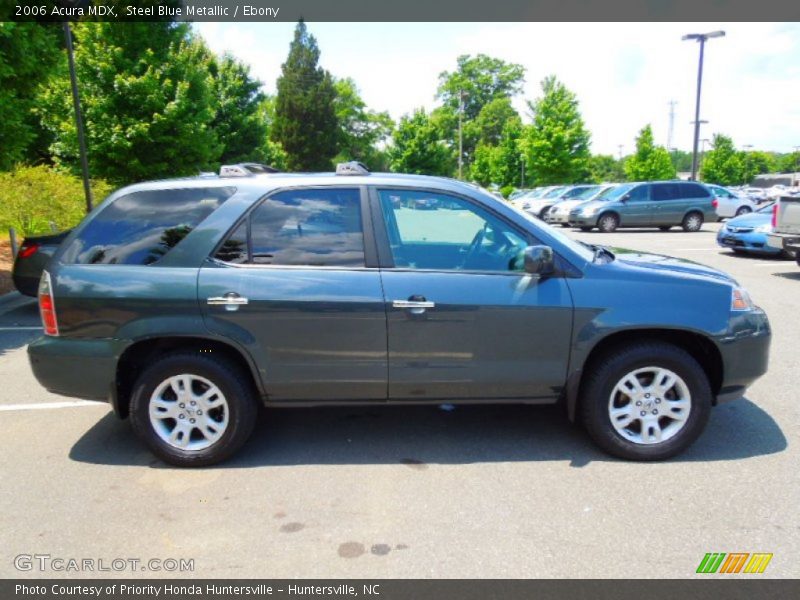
<point x="543" y="212"/>
<point x="586" y="228"/>
<point x="645" y="401"/>
<point x="193" y="411"/>
<point x="743" y="210"/>
<point x="692" y="222"/>
<point x="665" y="227"/>
<point x="608" y="223"/>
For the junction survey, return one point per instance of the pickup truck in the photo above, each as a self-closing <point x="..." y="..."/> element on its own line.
<point x="786" y="225"/>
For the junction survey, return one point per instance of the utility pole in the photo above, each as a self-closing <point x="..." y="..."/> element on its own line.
<point x="76" y="101"/>
<point x="701" y="38"/>
<point x="620" y="146"/>
<point x="671" y="129"/>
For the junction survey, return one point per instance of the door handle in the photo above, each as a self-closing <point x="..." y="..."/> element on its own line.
<point x="231" y="301"/>
<point x="416" y="305"/>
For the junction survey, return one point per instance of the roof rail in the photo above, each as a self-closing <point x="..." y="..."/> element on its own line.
<point x="352" y="168"/>
<point x="246" y="169"/>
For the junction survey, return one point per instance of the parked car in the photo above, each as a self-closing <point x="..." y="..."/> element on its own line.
<point x="658" y="204"/>
<point x="729" y="204"/>
<point x="518" y="192"/>
<point x="785" y="234"/>
<point x="559" y="212"/>
<point x="748" y="233"/>
<point x="188" y="303"/>
<point x="540" y="206"/>
<point x="524" y="202"/>
<point x="33" y="254"/>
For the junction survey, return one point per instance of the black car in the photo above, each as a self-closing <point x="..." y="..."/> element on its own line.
<point x="31" y="259"/>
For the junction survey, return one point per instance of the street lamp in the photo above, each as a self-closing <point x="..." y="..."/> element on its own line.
<point x="700" y="37"/>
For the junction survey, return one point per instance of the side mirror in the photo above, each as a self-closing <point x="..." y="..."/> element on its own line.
<point x="538" y="260"/>
<point x="625" y="198"/>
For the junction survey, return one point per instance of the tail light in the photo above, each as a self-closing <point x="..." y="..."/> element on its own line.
<point x="27" y="249"/>
<point x="715" y="203"/>
<point x="47" y="307"/>
<point x="775" y="215"/>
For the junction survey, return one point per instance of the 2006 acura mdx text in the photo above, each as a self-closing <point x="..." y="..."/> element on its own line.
<point x="188" y="303"/>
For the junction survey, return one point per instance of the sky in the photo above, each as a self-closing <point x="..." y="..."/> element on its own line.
<point x="624" y="74"/>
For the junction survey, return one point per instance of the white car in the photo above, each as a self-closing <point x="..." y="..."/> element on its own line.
<point x="727" y="204"/>
<point x="559" y="212"/>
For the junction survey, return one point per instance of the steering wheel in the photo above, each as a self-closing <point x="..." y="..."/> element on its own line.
<point x="475" y="245"/>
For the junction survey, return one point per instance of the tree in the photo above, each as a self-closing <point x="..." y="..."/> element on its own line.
<point x="360" y="130"/>
<point x="493" y="117"/>
<point x="29" y="55"/>
<point x="556" y="145"/>
<point x="417" y="148"/>
<point x="606" y="168"/>
<point x="148" y="103"/>
<point x="649" y="162"/>
<point x="238" y="124"/>
<point x="755" y="163"/>
<point x="269" y="152"/>
<point x="305" y="118"/>
<point x="788" y="163"/>
<point x="477" y="81"/>
<point x="722" y="164"/>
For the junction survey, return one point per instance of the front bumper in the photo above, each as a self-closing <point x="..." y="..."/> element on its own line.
<point x="582" y="220"/>
<point x="750" y="242"/>
<point x="557" y="218"/>
<point x="745" y="353"/>
<point x="79" y="368"/>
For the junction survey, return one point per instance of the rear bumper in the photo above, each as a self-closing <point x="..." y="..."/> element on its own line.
<point x="784" y="241"/>
<point x="78" y="368"/>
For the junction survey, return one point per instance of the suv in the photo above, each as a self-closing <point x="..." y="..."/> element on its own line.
<point x="661" y="204"/>
<point x="187" y="304"/>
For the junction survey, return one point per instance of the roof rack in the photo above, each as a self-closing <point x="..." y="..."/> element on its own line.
<point x="246" y="169"/>
<point x="352" y="168"/>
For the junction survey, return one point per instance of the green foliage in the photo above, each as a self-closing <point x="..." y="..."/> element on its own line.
<point x="788" y="163"/>
<point x="491" y="120"/>
<point x="479" y="80"/>
<point x="238" y="124"/>
<point x="360" y="130"/>
<point x="305" y="116"/>
<point x="269" y="152"/>
<point x="147" y="95"/>
<point x="722" y="164"/>
<point x="681" y="159"/>
<point x="756" y="163"/>
<point x="649" y="162"/>
<point x="33" y="197"/>
<point x="556" y="145"/>
<point x="29" y="54"/>
<point x="417" y="147"/>
<point x="606" y="168"/>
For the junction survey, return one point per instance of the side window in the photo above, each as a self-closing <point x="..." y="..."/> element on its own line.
<point x="662" y="191"/>
<point x="435" y="231"/>
<point x="693" y="190"/>
<point x="639" y="193"/>
<point x="311" y="227"/>
<point x="142" y="227"/>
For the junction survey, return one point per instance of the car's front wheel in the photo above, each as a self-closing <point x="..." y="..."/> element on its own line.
<point x="608" y="223"/>
<point x="645" y="401"/>
<point x="192" y="410"/>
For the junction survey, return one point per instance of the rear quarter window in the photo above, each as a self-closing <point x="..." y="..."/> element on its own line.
<point x="142" y="227"/>
<point x="694" y="190"/>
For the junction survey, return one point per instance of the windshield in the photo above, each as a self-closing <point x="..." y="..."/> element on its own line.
<point x="587" y="193"/>
<point x="767" y="208"/>
<point x="554" y="192"/>
<point x="604" y="194"/>
<point x="573" y="192"/>
<point x="617" y="192"/>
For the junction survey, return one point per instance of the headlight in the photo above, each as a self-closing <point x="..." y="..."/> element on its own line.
<point x="765" y="228"/>
<point x="740" y="299"/>
<point x="589" y="211"/>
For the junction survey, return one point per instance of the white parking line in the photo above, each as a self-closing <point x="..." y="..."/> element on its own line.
<point x="48" y="405"/>
<point x="20" y="328"/>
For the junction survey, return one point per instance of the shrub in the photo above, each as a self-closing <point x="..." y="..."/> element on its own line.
<point x="31" y="198"/>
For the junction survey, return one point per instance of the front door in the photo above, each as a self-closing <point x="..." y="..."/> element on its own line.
<point x="464" y="321"/>
<point x="291" y="284"/>
<point x="639" y="207"/>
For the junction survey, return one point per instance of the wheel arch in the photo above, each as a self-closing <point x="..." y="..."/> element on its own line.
<point x="608" y="211"/>
<point x="144" y="351"/>
<point x="699" y="346"/>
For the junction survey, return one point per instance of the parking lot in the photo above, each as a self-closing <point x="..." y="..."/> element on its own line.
<point x="381" y="492"/>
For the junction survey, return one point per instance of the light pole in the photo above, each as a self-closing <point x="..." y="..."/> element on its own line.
<point x="76" y="101"/>
<point x="700" y="37"/>
<point x="521" y="170"/>
<point x="460" y="133"/>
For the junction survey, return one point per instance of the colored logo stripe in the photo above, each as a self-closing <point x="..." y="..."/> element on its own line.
<point x="735" y="561"/>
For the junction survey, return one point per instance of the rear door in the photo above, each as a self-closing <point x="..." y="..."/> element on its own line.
<point x="464" y="321"/>
<point x="297" y="284"/>
<point x="668" y="204"/>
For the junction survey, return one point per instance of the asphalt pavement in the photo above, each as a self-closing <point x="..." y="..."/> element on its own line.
<point x="381" y="492"/>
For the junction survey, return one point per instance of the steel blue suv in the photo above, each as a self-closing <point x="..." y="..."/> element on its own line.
<point x="189" y="303"/>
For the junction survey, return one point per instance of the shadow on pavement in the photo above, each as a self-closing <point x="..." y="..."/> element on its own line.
<point x="795" y="275"/>
<point x="418" y="436"/>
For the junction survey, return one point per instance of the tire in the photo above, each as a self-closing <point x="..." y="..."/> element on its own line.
<point x="665" y="227"/>
<point x="586" y="228"/>
<point x="230" y="414"/>
<point x="608" y="223"/>
<point x="565" y="224"/>
<point x="600" y="395"/>
<point x="692" y="222"/>
<point x="543" y="212"/>
<point x="743" y="210"/>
